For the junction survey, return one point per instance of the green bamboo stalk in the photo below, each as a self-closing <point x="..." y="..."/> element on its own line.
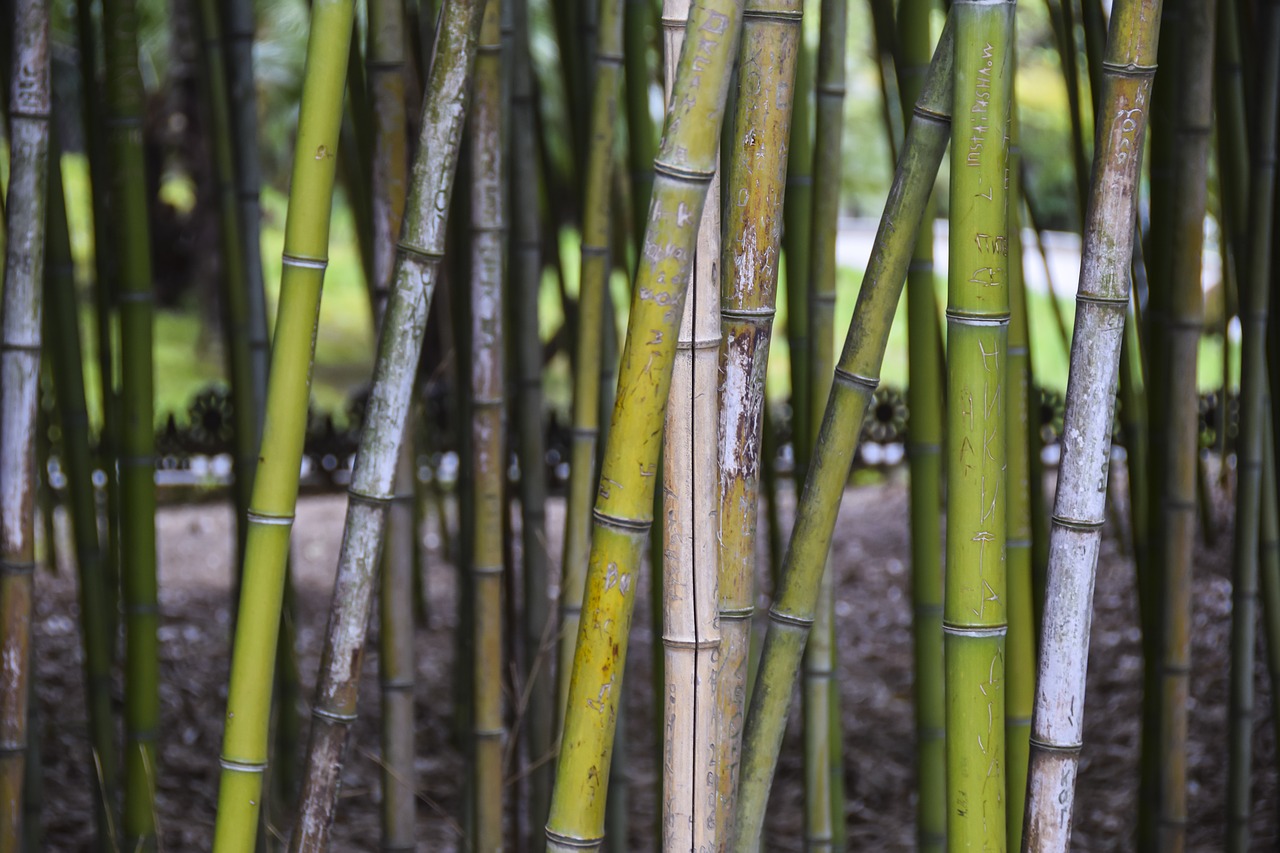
<point x="238" y="35"/>
<point x="421" y="247"/>
<point x="591" y="320"/>
<point x="539" y="623"/>
<point x="488" y="444"/>
<point x="757" y="169"/>
<point x="885" y="41"/>
<point x="20" y="324"/>
<point x="797" y="218"/>
<point x="1255" y="300"/>
<point x="234" y="286"/>
<point x="856" y="377"/>
<point x="385" y="63"/>
<point x="924" y="459"/>
<point x="637" y="21"/>
<point x="684" y="168"/>
<point x="1020" y="643"/>
<point x="821" y="711"/>
<point x="63" y="325"/>
<point x="275" y="488"/>
<point x="137" y="443"/>
<point x="974" y="610"/>
<point x="88" y="37"/>
<point x="1177" y="410"/>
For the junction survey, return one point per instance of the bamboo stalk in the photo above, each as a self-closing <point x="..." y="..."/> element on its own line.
<point x="690" y="576"/>
<point x="275" y="487"/>
<point x="684" y="168"/>
<point x="1080" y="506"/>
<point x="539" y="622"/>
<point x="637" y="19"/>
<point x="924" y="459"/>
<point x="856" y="376"/>
<point x="421" y="247"/>
<point x="974" y="609"/>
<point x="1254" y="302"/>
<point x="20" y="324"/>
<point x="488" y="445"/>
<point x="1020" y="643"/>
<point x="591" y="319"/>
<point x="821" y="705"/>
<point x="768" y="54"/>
<point x="137" y="444"/>
<point x="238" y="35"/>
<point x="1269" y="570"/>
<point x="63" y="325"/>
<point x="797" y="215"/>
<point x="385" y="72"/>
<point x="1177" y="412"/>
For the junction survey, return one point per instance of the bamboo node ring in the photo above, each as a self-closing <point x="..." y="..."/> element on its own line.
<point x="696" y="645"/>
<point x="262" y="518"/>
<point x="242" y="766"/>
<point x="419" y="252"/>
<point x="790" y="619"/>
<point x="333" y="716"/>
<point x="787" y="17"/>
<point x="683" y="173"/>
<point x="851" y="378"/>
<point x="1060" y="748"/>
<point x="1121" y="302"/>
<point x="737" y="614"/>
<point x="366" y="498"/>
<point x="629" y="524"/>
<point x="304" y="263"/>
<point x="17" y="568"/>
<point x="975" y="631"/>
<point x="571" y="841"/>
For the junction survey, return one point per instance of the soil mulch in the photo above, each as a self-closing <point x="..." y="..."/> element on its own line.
<point x="873" y="609"/>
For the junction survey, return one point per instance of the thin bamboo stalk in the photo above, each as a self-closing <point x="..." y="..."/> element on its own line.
<point x="856" y="377"/>
<point x="1269" y="570"/>
<point x="924" y="459"/>
<point x="417" y="269"/>
<point x="690" y="481"/>
<point x="770" y="47"/>
<point x="684" y="168"/>
<point x="385" y="72"/>
<point x="1020" y="643"/>
<point x="797" y="215"/>
<point x="275" y="487"/>
<point x="488" y="433"/>
<point x="539" y="623"/>
<point x="1254" y="302"/>
<point x="20" y="325"/>
<point x="637" y="21"/>
<point x="1177" y="414"/>
<point x="137" y="444"/>
<point x="63" y="325"/>
<point x="1062" y="14"/>
<point x="1080" y="506"/>
<point x="821" y="708"/>
<point x="591" y="320"/>
<point x="238" y="35"/>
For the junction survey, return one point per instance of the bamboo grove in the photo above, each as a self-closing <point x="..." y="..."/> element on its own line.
<point x="603" y="252"/>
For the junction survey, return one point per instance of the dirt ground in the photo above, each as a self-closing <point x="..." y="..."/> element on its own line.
<point x="874" y="615"/>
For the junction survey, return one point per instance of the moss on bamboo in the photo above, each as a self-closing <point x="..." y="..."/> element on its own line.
<point x="856" y="377"/>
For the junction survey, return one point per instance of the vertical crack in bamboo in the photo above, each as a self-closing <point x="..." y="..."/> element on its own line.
<point x="856" y="377"/>
<point x="974" y="611"/>
<point x="1079" y="510"/>
<point x="20" y="325"/>
<point x="757" y="171"/>
<point x="690" y="582"/>
<point x="683" y="170"/>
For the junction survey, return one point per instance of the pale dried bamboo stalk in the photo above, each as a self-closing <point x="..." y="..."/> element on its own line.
<point x="690" y="580"/>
